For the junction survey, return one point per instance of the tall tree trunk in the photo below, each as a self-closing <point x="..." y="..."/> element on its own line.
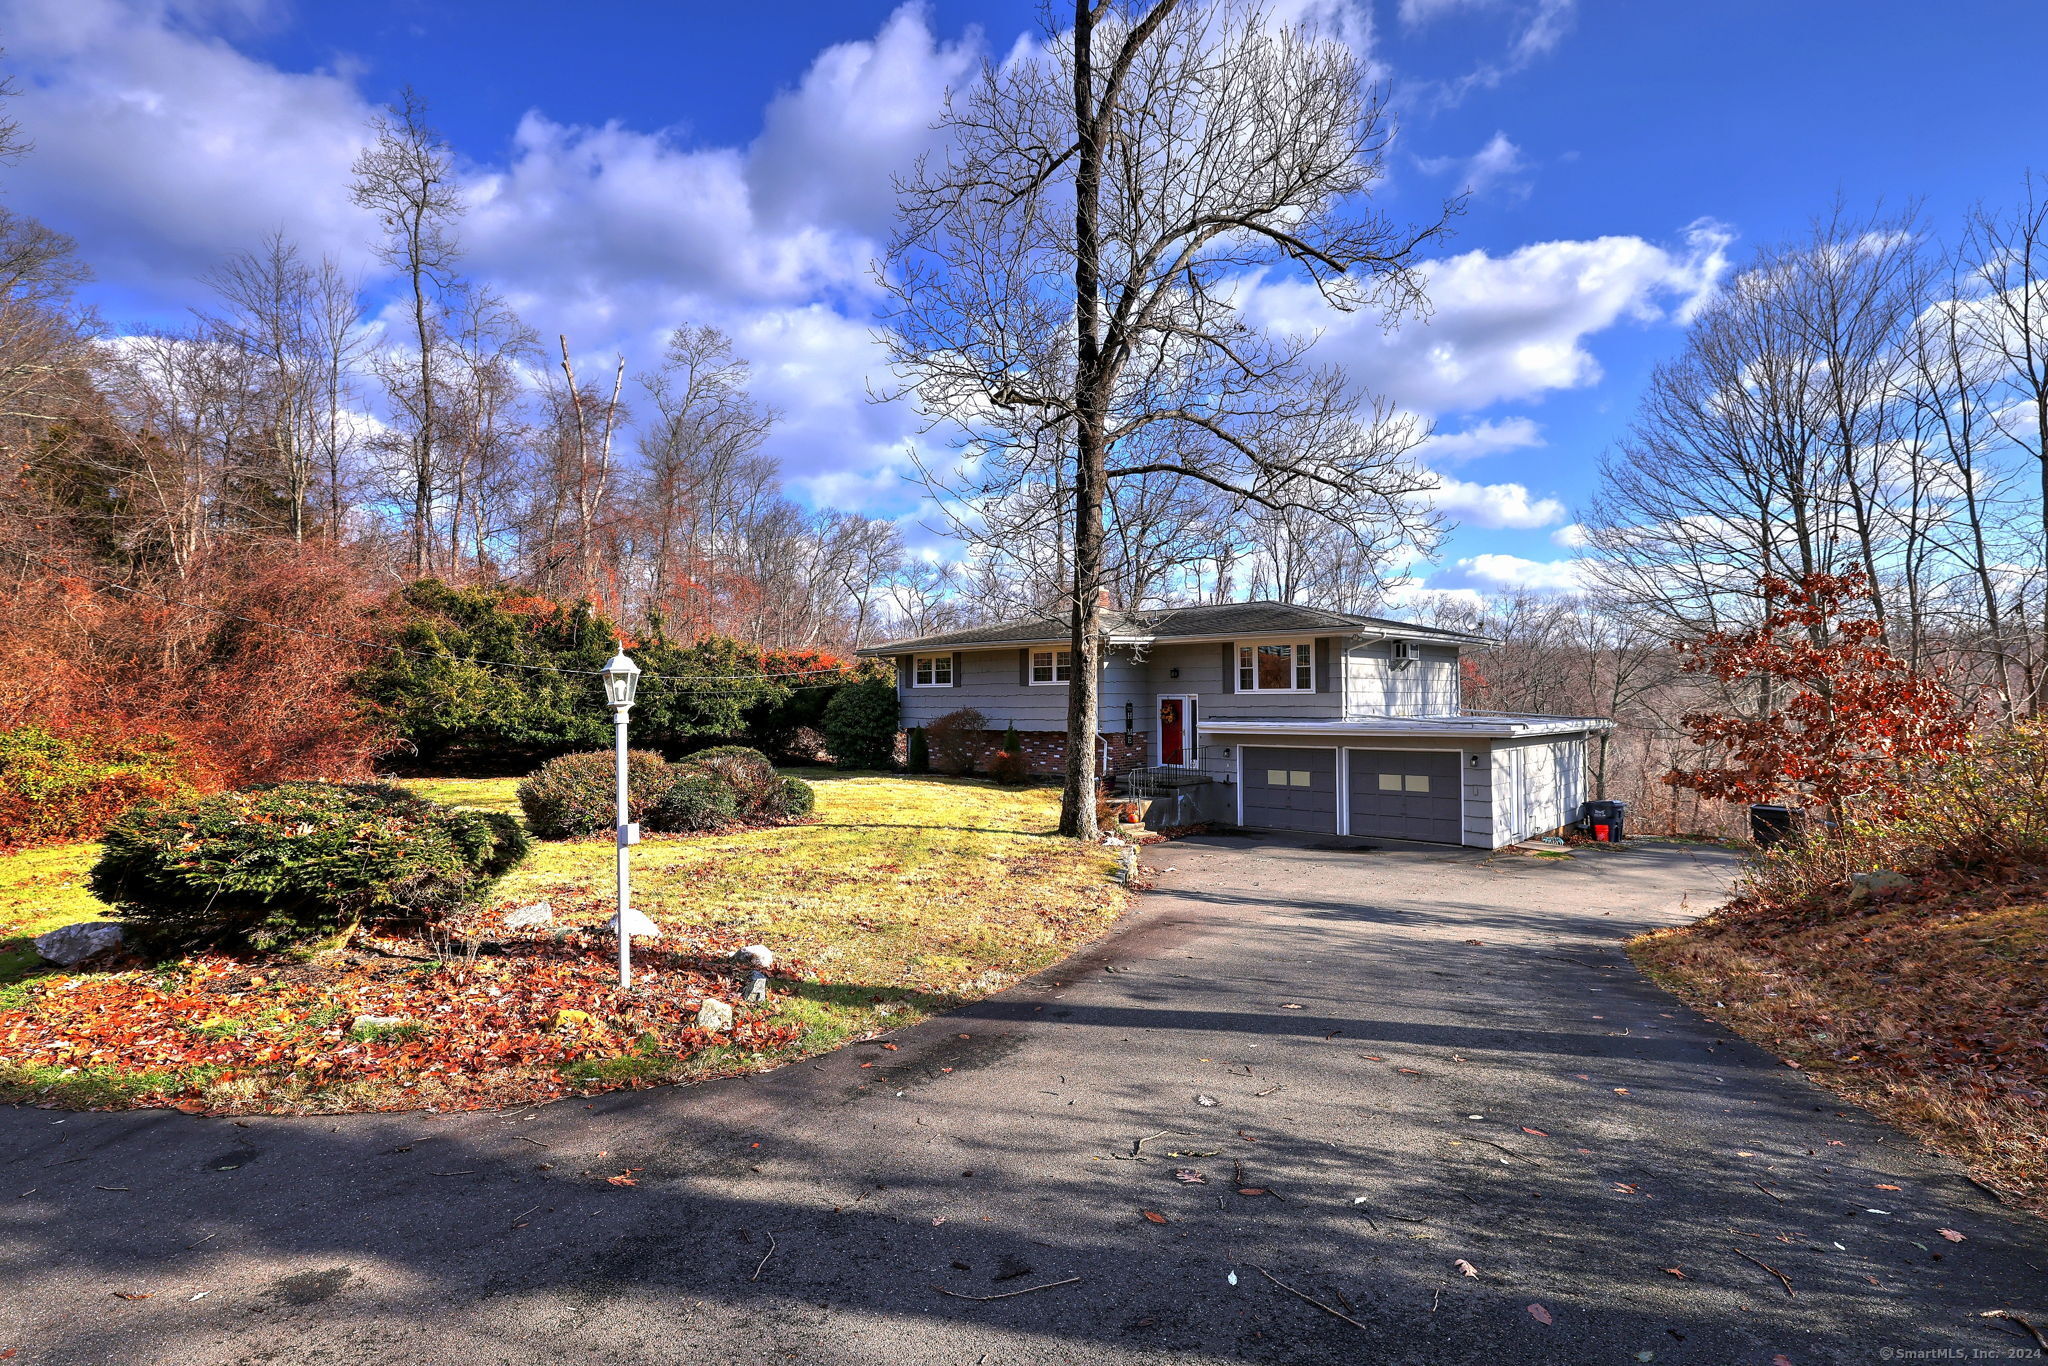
<point x="423" y="467"/>
<point x="1077" y="800"/>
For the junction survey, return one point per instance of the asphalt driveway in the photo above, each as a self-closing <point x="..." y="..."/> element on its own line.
<point x="1386" y="1067"/>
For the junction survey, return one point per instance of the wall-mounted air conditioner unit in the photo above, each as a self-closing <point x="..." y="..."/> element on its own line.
<point x="1398" y="650"/>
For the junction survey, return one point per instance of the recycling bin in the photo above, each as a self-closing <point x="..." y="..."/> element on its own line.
<point x="1770" y="823"/>
<point x="1604" y="820"/>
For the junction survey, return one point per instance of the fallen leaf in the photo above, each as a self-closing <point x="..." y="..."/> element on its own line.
<point x="1950" y="1234"/>
<point x="1781" y="1360"/>
<point x="1539" y="1313"/>
<point x="1674" y="1271"/>
<point x="1190" y="1175"/>
<point x="1253" y="1190"/>
<point x="1154" y="1215"/>
<point x="1289" y="1005"/>
<point x="1625" y="1187"/>
<point x="937" y="1220"/>
<point x="133" y="1294"/>
<point x="1207" y="1101"/>
<point x="1621" y="1090"/>
<point x="1467" y="1268"/>
<point x="620" y="1181"/>
<point x="1538" y="1132"/>
<point x="1480" y="942"/>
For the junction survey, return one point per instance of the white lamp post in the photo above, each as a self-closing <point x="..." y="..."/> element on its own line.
<point x="621" y="678"/>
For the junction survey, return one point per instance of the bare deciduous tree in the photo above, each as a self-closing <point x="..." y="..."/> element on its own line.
<point x="407" y="178"/>
<point x="1068" y="283"/>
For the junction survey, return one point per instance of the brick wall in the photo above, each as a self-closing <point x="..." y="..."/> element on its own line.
<point x="1045" y="751"/>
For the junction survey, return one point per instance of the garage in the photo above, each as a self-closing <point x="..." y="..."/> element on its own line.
<point x="1289" y="789"/>
<point x="1407" y="794"/>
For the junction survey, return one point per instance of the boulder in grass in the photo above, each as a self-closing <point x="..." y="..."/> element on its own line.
<point x="714" y="1015"/>
<point x="637" y="925"/>
<point x="534" y="917"/>
<point x="1863" y="886"/>
<point x="759" y="956"/>
<point x="74" y="944"/>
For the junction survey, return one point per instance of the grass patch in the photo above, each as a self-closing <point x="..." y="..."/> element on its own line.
<point x="902" y="898"/>
<point x="1929" y="1013"/>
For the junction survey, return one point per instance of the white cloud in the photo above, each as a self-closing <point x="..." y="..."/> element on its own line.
<point x="1493" y="573"/>
<point x="1571" y="536"/>
<point x="1508" y="327"/>
<point x="829" y="149"/>
<point x="1540" y="26"/>
<point x="1491" y="437"/>
<point x="163" y="149"/>
<point x="1495" y="506"/>
<point x="1499" y="162"/>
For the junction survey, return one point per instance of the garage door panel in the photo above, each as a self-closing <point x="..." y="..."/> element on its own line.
<point x="1407" y="794"/>
<point x="1290" y="789"/>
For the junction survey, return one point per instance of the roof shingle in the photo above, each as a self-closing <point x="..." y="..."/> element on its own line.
<point x="1176" y="623"/>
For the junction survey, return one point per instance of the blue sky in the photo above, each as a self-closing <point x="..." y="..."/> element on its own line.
<point x="636" y="165"/>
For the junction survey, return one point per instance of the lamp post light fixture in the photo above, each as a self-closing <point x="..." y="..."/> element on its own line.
<point x="621" y="680"/>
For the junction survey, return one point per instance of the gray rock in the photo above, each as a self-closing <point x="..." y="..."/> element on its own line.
<point x="73" y="944"/>
<point x="715" y="1015"/>
<point x="760" y="955"/>
<point x="757" y="988"/>
<point x="530" y="917"/>
<point x="637" y="925"/>
<point x="1862" y="886"/>
<point x="377" y="1021"/>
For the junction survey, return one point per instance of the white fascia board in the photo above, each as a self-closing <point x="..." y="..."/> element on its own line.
<point x="1394" y="726"/>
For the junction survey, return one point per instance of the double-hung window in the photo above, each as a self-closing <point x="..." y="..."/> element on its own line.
<point x="1286" y="666"/>
<point x="1051" y="666"/>
<point x="931" y="671"/>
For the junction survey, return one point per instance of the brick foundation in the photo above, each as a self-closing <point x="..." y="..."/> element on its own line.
<point x="1045" y="751"/>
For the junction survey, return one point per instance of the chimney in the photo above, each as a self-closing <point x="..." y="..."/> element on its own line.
<point x="1105" y="598"/>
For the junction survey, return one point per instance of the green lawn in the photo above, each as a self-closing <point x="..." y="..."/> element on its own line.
<point x="41" y="889"/>
<point x="902" y="897"/>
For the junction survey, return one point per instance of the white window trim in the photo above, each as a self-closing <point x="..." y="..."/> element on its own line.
<point x="1031" y="668"/>
<point x="916" y="659"/>
<point x="1238" y="648"/>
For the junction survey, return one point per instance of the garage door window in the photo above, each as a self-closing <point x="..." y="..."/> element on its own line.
<point x="1287" y="777"/>
<point x="1404" y="782"/>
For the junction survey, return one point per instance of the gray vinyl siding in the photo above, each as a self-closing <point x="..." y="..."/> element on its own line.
<point x="1354" y="683"/>
<point x="990" y="682"/>
<point x="1201" y="672"/>
<point x="1541" y="782"/>
<point x="1427" y="686"/>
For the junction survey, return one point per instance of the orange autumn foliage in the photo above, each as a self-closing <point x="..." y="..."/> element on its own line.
<point x="241" y="670"/>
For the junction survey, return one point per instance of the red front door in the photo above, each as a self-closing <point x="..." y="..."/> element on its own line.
<point x="1173" y="747"/>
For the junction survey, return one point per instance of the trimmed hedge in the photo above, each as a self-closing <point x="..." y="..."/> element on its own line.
<point x="860" y="724"/>
<point x="796" y="799"/>
<point x="693" y="802"/>
<point x="747" y="773"/>
<point x="298" y="865"/>
<point x="573" y="797"/>
<point x="576" y="796"/>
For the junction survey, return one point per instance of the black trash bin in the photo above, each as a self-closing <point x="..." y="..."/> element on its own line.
<point x="1604" y="820"/>
<point x="1770" y="823"/>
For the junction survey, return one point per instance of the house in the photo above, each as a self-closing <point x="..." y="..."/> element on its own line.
<point x="1270" y="716"/>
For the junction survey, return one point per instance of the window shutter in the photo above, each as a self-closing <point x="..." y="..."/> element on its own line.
<point x="1322" y="663"/>
<point x="903" y="671"/>
<point x="1229" y="666"/>
<point x="1024" y="666"/>
<point x="956" y="668"/>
